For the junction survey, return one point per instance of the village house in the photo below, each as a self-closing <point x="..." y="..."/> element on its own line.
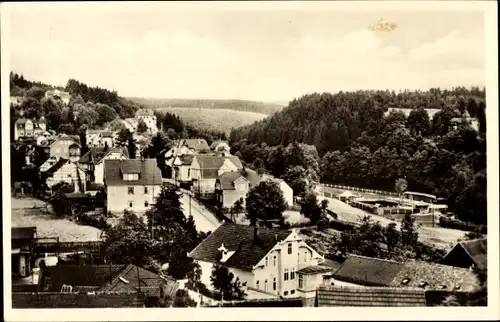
<point x="22" y="243"/>
<point x="468" y="254"/>
<point x="148" y="117"/>
<point x="43" y="138"/>
<point x="65" y="170"/>
<point x="360" y="271"/>
<point x="16" y="100"/>
<point x="233" y="185"/>
<point x="92" y="137"/>
<point x="266" y="260"/>
<point x="181" y="168"/>
<point x="220" y="146"/>
<point x="93" y="161"/>
<point x="63" y="146"/>
<point x="205" y="169"/>
<point x="57" y="94"/>
<point x="26" y="128"/>
<point x="131" y="184"/>
<point x="185" y="146"/>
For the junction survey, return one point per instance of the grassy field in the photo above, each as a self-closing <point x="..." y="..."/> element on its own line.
<point x="47" y="224"/>
<point x="214" y="119"/>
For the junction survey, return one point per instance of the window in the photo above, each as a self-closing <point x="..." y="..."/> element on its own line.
<point x="267" y="261"/>
<point x="131" y="204"/>
<point x="146" y="203"/>
<point x="130" y="190"/>
<point x="285" y="277"/>
<point x="301" y="282"/>
<point x="292" y="275"/>
<point x="145" y="190"/>
<point x="257" y="284"/>
<point x="285" y="293"/>
<point x="289" y="248"/>
<point x="69" y="175"/>
<point x="189" y="173"/>
<point x="292" y="292"/>
<point x="305" y="256"/>
<point x="265" y="285"/>
<point x="274" y="261"/>
<point x="274" y="283"/>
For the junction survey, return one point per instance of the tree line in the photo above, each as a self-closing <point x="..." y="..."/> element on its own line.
<point x="356" y="141"/>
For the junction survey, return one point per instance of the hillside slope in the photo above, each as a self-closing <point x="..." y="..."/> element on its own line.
<point x="229" y="104"/>
<point x="220" y="120"/>
<point x="356" y="143"/>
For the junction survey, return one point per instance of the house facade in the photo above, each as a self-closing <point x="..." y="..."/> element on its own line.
<point x="148" y="117"/>
<point x="205" y="169"/>
<point x="65" y="147"/>
<point x="234" y="185"/>
<point x="57" y="94"/>
<point x="22" y="242"/>
<point x="93" y="161"/>
<point x="181" y="168"/>
<point x="131" y="184"/>
<point x="27" y="128"/>
<point x="67" y="171"/>
<point x="266" y="260"/>
<point x="220" y="146"/>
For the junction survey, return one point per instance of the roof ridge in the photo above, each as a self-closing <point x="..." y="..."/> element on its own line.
<point x="375" y="258"/>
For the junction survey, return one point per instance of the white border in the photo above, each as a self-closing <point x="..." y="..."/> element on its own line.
<point x="214" y="314"/>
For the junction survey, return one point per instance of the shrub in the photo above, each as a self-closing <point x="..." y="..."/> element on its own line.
<point x="461" y="225"/>
<point x="340" y="225"/>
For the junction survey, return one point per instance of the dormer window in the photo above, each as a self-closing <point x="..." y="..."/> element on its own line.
<point x="130" y="176"/>
<point x="405" y="281"/>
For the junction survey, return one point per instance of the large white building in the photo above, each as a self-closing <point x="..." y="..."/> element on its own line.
<point x="268" y="261"/>
<point x="131" y="184"/>
<point x="148" y="117"/>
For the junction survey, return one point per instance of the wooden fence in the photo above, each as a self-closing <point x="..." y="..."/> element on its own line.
<point x="341" y="187"/>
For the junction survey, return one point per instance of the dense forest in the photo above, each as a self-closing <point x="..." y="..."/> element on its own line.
<point x="234" y="104"/>
<point x="356" y="142"/>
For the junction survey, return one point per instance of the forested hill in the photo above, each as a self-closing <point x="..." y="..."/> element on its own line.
<point x="355" y="142"/>
<point x="229" y="104"/>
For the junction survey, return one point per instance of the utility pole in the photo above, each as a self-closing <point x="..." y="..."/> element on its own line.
<point x="432" y="205"/>
<point x="190" y="196"/>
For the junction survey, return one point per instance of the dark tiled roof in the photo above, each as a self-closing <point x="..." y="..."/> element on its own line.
<point x="240" y="239"/>
<point x="331" y="263"/>
<point x="23" y="232"/>
<point x="130" y="278"/>
<point x="89" y="275"/>
<point x="436" y="277"/>
<point x="369" y="296"/>
<point x="58" y="165"/>
<point x="209" y="173"/>
<point x="96" y="154"/>
<point x="149" y="173"/>
<point x="477" y="250"/>
<point x="196" y="144"/>
<point x="311" y="270"/>
<point x="187" y="159"/>
<point x="227" y="179"/>
<point x="368" y="271"/>
<point x="210" y="161"/>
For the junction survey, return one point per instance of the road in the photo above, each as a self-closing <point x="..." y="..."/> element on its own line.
<point x="205" y="221"/>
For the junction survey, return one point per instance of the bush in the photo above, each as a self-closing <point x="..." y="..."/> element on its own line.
<point x="323" y="224"/>
<point x="98" y="221"/>
<point x="461" y="225"/>
<point x="340" y="225"/>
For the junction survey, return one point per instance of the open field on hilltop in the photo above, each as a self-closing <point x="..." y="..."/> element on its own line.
<point x="214" y="119"/>
<point x="47" y="224"/>
<point x="229" y="104"/>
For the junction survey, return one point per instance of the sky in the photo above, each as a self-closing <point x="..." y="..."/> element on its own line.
<point x="266" y="55"/>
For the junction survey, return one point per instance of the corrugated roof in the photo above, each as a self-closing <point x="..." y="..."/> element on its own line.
<point x="328" y="296"/>
<point x="22" y="232"/>
<point x="240" y="239"/>
<point x="149" y="173"/>
<point x="477" y="250"/>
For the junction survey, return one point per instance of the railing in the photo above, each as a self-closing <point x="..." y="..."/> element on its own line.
<point x="341" y="187"/>
<point x="61" y="247"/>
